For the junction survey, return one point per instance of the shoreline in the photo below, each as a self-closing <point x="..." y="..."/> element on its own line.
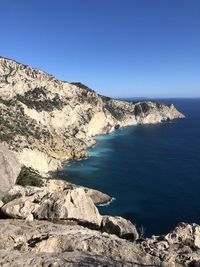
<point x="103" y="204"/>
<point x="106" y="138"/>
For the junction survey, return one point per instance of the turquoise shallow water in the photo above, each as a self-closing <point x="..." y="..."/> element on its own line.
<point x="153" y="171"/>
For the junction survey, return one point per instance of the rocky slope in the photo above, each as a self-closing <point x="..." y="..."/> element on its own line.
<point x="47" y="121"/>
<point x="59" y="225"/>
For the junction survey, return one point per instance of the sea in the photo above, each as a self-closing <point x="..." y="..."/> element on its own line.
<point x="151" y="171"/>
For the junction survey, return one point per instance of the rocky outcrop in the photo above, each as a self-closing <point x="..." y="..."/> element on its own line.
<point x="60" y="200"/>
<point x="40" y="203"/>
<point x="47" y="121"/>
<point x="42" y="243"/>
<point x="61" y="185"/>
<point x="181" y="246"/>
<point x="119" y="226"/>
<point x="97" y="196"/>
<point x="9" y="169"/>
<point x="187" y="234"/>
<point x="55" y="185"/>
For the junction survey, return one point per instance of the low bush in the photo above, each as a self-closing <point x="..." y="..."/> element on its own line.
<point x="30" y="177"/>
<point x="8" y="198"/>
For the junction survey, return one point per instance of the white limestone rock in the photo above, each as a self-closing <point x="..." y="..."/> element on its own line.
<point x="42" y="204"/>
<point x="188" y="234"/>
<point x="9" y="169"/>
<point x="42" y="243"/>
<point x="61" y="185"/>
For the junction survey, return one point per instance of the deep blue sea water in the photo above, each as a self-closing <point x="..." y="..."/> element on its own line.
<point x="153" y="171"/>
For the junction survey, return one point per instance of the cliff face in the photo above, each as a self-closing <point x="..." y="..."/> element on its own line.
<point x="47" y="121"/>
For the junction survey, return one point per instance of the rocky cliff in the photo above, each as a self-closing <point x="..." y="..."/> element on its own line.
<point x="47" y="121"/>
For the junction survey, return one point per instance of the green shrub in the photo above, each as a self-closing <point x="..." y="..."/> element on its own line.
<point x="30" y="177"/>
<point x="83" y="86"/>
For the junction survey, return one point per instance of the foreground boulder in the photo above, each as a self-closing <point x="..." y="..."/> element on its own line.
<point x="9" y="169"/>
<point x="120" y="227"/>
<point x="42" y="204"/>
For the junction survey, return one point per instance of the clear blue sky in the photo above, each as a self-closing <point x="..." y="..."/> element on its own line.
<point x="117" y="47"/>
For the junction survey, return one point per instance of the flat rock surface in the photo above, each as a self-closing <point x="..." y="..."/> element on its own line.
<point x="41" y="241"/>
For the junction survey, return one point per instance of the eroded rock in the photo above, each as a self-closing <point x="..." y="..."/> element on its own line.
<point x="187" y="234"/>
<point x="42" y="243"/>
<point x="9" y="169"/>
<point x="97" y="196"/>
<point x="180" y="246"/>
<point x="43" y="240"/>
<point x="44" y="204"/>
<point x="119" y="226"/>
<point x="60" y="185"/>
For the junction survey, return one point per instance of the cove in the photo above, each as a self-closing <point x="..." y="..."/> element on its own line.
<point x="152" y="171"/>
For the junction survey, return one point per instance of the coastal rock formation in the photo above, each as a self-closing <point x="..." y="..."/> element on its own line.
<point x="119" y="226"/>
<point x="47" y="121"/>
<point x="61" y="185"/>
<point x="40" y="203"/>
<point x="181" y="246"/>
<point x="59" y="200"/>
<point x="56" y="185"/>
<point x="9" y="169"/>
<point x="42" y="243"/>
<point x="98" y="197"/>
<point x="188" y="234"/>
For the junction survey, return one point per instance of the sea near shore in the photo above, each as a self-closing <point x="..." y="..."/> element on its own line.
<point x="152" y="171"/>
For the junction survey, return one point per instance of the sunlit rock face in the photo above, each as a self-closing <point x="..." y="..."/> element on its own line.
<point x="47" y="121"/>
<point x="9" y="169"/>
<point x="43" y="204"/>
